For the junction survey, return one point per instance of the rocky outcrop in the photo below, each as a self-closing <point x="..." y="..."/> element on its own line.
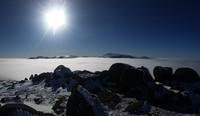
<point x="96" y="93"/>
<point x="41" y="77"/>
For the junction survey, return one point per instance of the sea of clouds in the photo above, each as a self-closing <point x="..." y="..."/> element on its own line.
<point x="18" y="69"/>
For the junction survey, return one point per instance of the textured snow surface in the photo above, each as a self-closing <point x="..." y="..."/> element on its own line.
<point x="18" y="69"/>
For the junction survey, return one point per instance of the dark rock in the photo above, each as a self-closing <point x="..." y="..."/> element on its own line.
<point x="62" y="71"/>
<point x="38" y="100"/>
<point x="116" y="71"/>
<point x="108" y="98"/>
<point x="132" y="77"/>
<point x="161" y="95"/>
<point x="25" y="79"/>
<point x="92" y="85"/>
<point x="20" y="110"/>
<point x="15" y="99"/>
<point x="133" y="107"/>
<point x="162" y="74"/>
<point x="186" y="75"/>
<point x="31" y="77"/>
<point x="184" y="98"/>
<point x="81" y="102"/>
<point x="22" y="81"/>
<point x="197" y="91"/>
<point x="147" y="74"/>
<point x="178" y="86"/>
<point x="169" y="97"/>
<point x="102" y="75"/>
<point x="41" y="77"/>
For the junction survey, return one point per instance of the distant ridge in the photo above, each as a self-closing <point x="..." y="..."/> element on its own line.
<point x="54" y="57"/>
<point x="107" y="55"/>
<point x="113" y="55"/>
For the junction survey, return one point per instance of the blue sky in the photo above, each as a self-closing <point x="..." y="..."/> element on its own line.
<point x="155" y="28"/>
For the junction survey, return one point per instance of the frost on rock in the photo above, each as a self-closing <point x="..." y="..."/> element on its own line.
<point x="82" y="102"/>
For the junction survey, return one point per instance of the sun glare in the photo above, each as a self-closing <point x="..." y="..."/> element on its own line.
<point x="55" y="18"/>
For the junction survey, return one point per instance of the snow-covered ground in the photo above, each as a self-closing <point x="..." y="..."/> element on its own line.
<point x="18" y="69"/>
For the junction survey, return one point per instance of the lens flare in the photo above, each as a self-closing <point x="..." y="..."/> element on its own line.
<point x="56" y="18"/>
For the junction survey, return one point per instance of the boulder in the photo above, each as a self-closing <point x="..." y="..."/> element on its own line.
<point x="62" y="71"/>
<point x="162" y="74"/>
<point x="82" y="102"/>
<point x="132" y="77"/>
<point x="116" y="71"/>
<point x="147" y="74"/>
<point x="186" y="75"/>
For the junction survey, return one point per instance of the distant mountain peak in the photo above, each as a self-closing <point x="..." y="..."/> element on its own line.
<point x="116" y="55"/>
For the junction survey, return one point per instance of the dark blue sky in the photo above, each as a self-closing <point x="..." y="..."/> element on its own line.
<point x="155" y="28"/>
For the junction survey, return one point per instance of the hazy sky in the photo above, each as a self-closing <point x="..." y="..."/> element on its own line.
<point x="155" y="28"/>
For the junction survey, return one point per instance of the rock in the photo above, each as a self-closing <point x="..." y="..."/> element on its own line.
<point x="38" y="100"/>
<point x="58" y="108"/>
<point x="22" y="81"/>
<point x="134" y="106"/>
<point x="186" y="75"/>
<point x="41" y="77"/>
<point x="132" y="77"/>
<point x="85" y="74"/>
<point x="31" y="77"/>
<point x="161" y="95"/>
<point x="147" y="74"/>
<point x="184" y="98"/>
<point x="81" y="102"/>
<point x="108" y="98"/>
<point x="92" y="85"/>
<point x="62" y="71"/>
<point x="20" y="110"/>
<point x="15" y="99"/>
<point x="103" y="76"/>
<point x="116" y="71"/>
<point x="162" y="74"/>
<point x="177" y="86"/>
<point x="197" y="91"/>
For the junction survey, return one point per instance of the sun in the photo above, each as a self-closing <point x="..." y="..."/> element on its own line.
<point x="55" y="18"/>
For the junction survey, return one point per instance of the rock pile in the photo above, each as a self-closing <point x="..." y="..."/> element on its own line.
<point x="99" y="92"/>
